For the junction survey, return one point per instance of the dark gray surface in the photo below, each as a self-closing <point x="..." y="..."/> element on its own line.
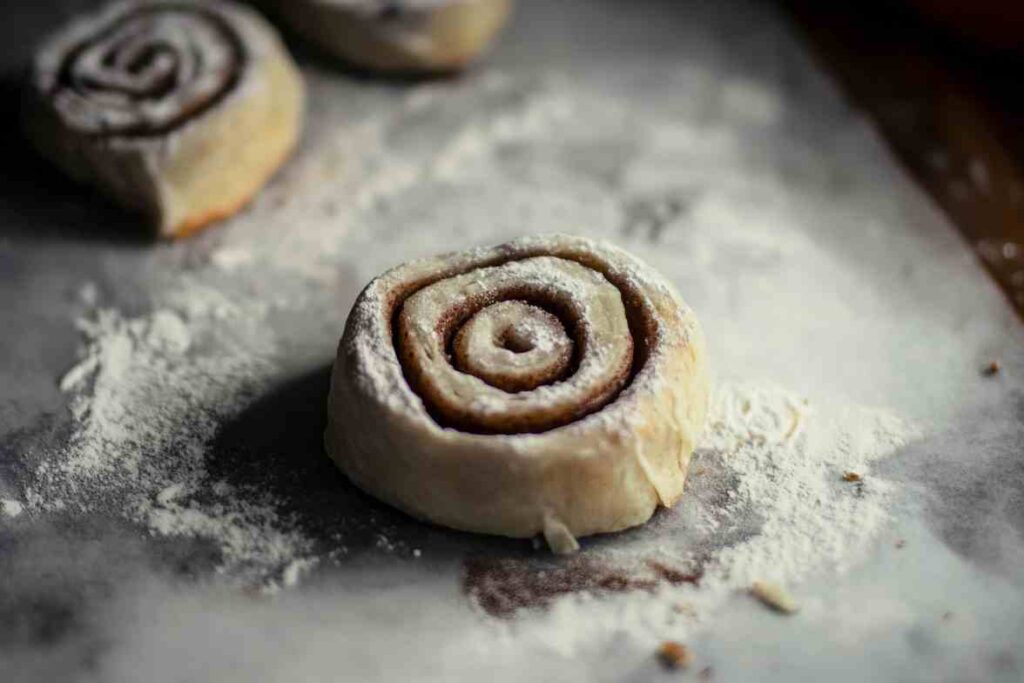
<point x="881" y="304"/>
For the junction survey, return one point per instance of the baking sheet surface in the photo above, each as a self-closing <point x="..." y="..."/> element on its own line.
<point x="704" y="140"/>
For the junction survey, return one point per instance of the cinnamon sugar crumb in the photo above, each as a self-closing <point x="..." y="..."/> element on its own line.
<point x="675" y="655"/>
<point x="991" y="369"/>
<point x="851" y="477"/>
<point x="684" y="608"/>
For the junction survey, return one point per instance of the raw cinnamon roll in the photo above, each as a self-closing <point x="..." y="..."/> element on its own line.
<point x="405" y="36"/>
<point x="550" y="385"/>
<point x="179" y="109"/>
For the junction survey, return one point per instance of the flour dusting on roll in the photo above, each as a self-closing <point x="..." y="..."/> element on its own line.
<point x="179" y="109"/>
<point x="552" y="385"/>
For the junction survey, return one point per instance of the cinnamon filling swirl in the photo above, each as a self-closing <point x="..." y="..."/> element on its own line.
<point x="523" y="346"/>
<point x="148" y="72"/>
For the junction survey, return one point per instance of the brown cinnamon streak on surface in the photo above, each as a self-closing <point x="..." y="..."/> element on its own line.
<point x="503" y="586"/>
<point x="674" y="575"/>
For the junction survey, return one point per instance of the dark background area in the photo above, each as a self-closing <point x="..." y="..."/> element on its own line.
<point x="939" y="78"/>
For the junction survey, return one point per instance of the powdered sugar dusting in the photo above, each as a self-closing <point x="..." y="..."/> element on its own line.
<point x="789" y="459"/>
<point x="99" y="53"/>
<point x="765" y="502"/>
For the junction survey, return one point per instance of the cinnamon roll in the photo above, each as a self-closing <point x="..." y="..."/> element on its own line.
<point x="404" y="36"/>
<point x="552" y="385"/>
<point x="179" y="109"/>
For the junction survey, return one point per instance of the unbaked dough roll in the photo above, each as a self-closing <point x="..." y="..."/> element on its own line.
<point x="179" y="109"/>
<point x="401" y="36"/>
<point x="550" y="385"/>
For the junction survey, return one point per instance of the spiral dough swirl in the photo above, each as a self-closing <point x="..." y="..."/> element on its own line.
<point x="552" y="385"/>
<point x="539" y="342"/>
<point x="147" y="71"/>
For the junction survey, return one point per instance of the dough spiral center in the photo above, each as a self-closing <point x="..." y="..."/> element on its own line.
<point x="148" y="71"/>
<point x="514" y="346"/>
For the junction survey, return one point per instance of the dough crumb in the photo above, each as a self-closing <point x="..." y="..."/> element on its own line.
<point x="851" y="477"/>
<point x="991" y="369"/>
<point x="559" y="538"/>
<point x="774" y="596"/>
<point x="675" y="655"/>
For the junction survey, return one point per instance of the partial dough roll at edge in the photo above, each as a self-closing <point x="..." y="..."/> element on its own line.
<point x="606" y="471"/>
<point x="204" y="161"/>
<point x="404" y="36"/>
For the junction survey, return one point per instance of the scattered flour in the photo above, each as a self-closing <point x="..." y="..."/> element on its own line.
<point x="447" y="167"/>
<point x="788" y="462"/>
<point x="765" y="502"/>
<point x="147" y="397"/>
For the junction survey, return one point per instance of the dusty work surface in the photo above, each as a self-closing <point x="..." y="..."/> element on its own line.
<point x="167" y="512"/>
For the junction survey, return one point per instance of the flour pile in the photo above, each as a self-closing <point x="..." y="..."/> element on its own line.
<point x="788" y="461"/>
<point x="766" y="501"/>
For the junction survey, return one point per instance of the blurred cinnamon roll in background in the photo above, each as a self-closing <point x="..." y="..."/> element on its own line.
<point x="181" y="110"/>
<point x="399" y="36"/>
